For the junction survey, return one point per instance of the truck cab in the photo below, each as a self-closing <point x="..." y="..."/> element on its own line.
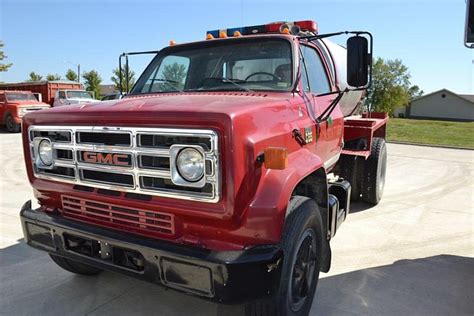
<point x="68" y="97"/>
<point x="14" y="105"/>
<point x="224" y="173"/>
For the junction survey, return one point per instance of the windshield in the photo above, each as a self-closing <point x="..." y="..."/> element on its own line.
<point x="74" y="94"/>
<point x="20" y="97"/>
<point x="263" y="64"/>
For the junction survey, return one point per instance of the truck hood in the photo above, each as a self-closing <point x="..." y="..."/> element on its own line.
<point x="230" y="104"/>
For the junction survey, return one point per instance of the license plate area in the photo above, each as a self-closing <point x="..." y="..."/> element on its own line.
<point x="104" y="251"/>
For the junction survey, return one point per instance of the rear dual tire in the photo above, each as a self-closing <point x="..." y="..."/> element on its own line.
<point x="373" y="181"/>
<point x="367" y="177"/>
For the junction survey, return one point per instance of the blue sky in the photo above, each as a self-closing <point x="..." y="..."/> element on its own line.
<point x="41" y="35"/>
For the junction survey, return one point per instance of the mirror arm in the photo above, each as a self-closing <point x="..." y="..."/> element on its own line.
<point x="326" y="113"/>
<point x="126" y="65"/>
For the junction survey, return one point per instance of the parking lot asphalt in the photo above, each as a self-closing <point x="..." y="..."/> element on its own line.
<point x="411" y="254"/>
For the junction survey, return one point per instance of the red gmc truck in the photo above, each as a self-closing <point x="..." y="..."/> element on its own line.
<point x="224" y="173"/>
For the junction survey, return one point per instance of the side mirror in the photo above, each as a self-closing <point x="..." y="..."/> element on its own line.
<point x="357" y="61"/>
<point x="469" y="32"/>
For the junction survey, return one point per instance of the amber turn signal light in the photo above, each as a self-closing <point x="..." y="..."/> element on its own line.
<point x="222" y="34"/>
<point x="276" y="158"/>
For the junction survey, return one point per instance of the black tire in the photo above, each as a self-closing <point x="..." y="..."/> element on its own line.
<point x="373" y="181"/>
<point x="351" y="169"/>
<point x="12" y="127"/>
<point x="74" y="266"/>
<point x="302" y="238"/>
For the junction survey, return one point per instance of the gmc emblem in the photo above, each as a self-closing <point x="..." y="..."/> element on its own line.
<point x="106" y="158"/>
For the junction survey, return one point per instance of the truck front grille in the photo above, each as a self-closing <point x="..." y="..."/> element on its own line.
<point x="132" y="160"/>
<point x="130" y="219"/>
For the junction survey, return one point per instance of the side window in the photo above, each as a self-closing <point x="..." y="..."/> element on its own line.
<point x="2" y="98"/>
<point x="62" y="94"/>
<point x="317" y="80"/>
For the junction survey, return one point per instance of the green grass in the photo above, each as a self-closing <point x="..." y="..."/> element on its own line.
<point x="443" y="133"/>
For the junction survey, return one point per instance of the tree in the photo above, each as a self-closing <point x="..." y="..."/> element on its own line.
<point x="35" y="77"/>
<point x="71" y="75"/>
<point x="116" y="78"/>
<point x="92" y="82"/>
<point x="3" y="67"/>
<point x="175" y="73"/>
<point x="51" y="77"/>
<point x="391" y="87"/>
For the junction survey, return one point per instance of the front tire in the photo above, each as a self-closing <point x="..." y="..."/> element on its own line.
<point x="301" y="244"/>
<point x="12" y="127"/>
<point x="74" y="266"/>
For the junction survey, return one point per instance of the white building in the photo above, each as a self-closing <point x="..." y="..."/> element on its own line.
<point x="440" y="105"/>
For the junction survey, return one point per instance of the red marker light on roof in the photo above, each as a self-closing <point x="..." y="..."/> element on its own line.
<point x="273" y="27"/>
<point x="308" y="25"/>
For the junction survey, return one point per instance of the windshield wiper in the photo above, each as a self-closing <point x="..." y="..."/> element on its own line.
<point x="228" y="80"/>
<point x="169" y="82"/>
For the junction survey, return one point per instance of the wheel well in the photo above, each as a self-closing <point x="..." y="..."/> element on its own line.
<point x="4" y="121"/>
<point x="315" y="187"/>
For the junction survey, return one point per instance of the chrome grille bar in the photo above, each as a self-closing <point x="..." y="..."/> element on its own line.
<point x="76" y="166"/>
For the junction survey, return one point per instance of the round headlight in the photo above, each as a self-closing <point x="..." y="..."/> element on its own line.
<point x="190" y="164"/>
<point x="45" y="152"/>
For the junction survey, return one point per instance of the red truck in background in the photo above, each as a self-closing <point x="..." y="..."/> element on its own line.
<point x="224" y="173"/>
<point x="14" y="105"/>
<point x="54" y="93"/>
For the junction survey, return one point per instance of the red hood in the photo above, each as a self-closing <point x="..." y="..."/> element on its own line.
<point x="229" y="103"/>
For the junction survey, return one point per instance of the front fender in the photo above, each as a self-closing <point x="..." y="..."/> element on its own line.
<point x="265" y="216"/>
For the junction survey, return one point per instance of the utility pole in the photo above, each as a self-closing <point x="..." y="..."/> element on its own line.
<point x="78" y="69"/>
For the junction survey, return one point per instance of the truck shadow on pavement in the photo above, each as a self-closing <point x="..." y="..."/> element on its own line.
<point x="32" y="285"/>
<point x="357" y="207"/>
<point x="3" y="130"/>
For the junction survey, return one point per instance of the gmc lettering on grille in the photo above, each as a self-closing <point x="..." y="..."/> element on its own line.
<point x="106" y="158"/>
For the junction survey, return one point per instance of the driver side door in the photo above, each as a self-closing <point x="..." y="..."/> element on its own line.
<point x="317" y="84"/>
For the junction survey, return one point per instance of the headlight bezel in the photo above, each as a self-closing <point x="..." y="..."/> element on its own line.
<point x="37" y="155"/>
<point x="176" y="176"/>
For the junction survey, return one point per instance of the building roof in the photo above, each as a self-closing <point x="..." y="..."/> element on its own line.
<point x="107" y="89"/>
<point x="467" y="97"/>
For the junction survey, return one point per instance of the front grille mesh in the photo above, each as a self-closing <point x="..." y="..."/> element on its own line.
<point x="110" y="215"/>
<point x="131" y="160"/>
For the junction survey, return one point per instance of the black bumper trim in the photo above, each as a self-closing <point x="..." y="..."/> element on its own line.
<point x="227" y="276"/>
